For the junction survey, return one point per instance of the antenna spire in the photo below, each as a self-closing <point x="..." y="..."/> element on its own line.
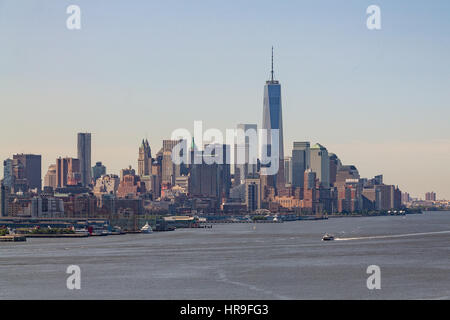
<point x="272" y="63"/>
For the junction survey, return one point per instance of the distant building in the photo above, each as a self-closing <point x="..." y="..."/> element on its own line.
<point x="253" y="194"/>
<point x="127" y="171"/>
<point x="97" y="171"/>
<point x="204" y="179"/>
<point x="430" y="196"/>
<point x="300" y="161"/>
<point x="249" y="151"/>
<point x="288" y="170"/>
<point x="182" y="182"/>
<point x="389" y="197"/>
<point x="405" y="198"/>
<point x="320" y="164"/>
<point x="27" y="172"/>
<point x="310" y="202"/>
<point x="273" y="119"/>
<point x="106" y="184"/>
<point x="224" y="169"/>
<point x="168" y="167"/>
<point x="335" y="165"/>
<point x="344" y="173"/>
<point x="130" y="185"/>
<point x="84" y="155"/>
<point x="50" y="179"/>
<point x="49" y="207"/>
<point x="68" y="172"/>
<point x="4" y="196"/>
<point x="8" y="176"/>
<point x="145" y="159"/>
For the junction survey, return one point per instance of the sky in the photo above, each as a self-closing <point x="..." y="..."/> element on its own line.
<point x="379" y="99"/>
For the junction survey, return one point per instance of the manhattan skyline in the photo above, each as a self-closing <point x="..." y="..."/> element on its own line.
<point x="376" y="99"/>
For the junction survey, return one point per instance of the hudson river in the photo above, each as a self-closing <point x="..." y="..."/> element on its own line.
<point x="241" y="261"/>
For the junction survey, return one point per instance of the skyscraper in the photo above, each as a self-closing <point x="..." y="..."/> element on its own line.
<point x="272" y="119"/>
<point x="68" y="172"/>
<point x="170" y="171"/>
<point x="84" y="155"/>
<point x="320" y="164"/>
<point x="8" y="177"/>
<point x="300" y="162"/>
<point x="203" y="178"/>
<point x="4" y="192"/>
<point x="288" y="170"/>
<point x="335" y="165"/>
<point x="249" y="152"/>
<point x="27" y="171"/>
<point x="145" y="159"/>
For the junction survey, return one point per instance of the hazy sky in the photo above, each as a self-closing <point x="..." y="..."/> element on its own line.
<point x="378" y="99"/>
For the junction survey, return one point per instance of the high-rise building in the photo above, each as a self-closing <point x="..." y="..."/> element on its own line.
<point x="68" y="172"/>
<point x="84" y="155"/>
<point x="203" y="179"/>
<point x="4" y="194"/>
<point x="97" y="171"/>
<point x="246" y="163"/>
<point x="300" y="162"/>
<point x="389" y="197"/>
<point x="50" y="179"/>
<point x="27" y="171"/>
<point x="405" y="198"/>
<point x="320" y="164"/>
<point x="145" y="159"/>
<point x="430" y="196"/>
<point x="8" y="176"/>
<point x="288" y="170"/>
<point x="168" y="167"/>
<point x="224" y="171"/>
<point x="273" y="119"/>
<point x="335" y="165"/>
<point x="253" y="194"/>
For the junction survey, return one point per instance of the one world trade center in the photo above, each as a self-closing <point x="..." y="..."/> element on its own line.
<point x="272" y="119"/>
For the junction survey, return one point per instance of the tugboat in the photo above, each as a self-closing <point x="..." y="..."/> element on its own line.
<point x="146" y="228"/>
<point x="327" y="237"/>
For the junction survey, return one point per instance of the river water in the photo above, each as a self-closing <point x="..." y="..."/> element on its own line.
<point x="241" y="261"/>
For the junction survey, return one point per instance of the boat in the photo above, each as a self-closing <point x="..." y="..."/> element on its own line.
<point x="97" y="231"/>
<point x="146" y="228"/>
<point x="327" y="237"/>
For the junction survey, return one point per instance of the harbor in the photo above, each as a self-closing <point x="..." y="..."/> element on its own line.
<point x="241" y="261"/>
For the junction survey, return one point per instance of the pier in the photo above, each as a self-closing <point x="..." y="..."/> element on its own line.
<point x="12" y="238"/>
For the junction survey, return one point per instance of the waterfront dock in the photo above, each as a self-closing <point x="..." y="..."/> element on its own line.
<point x="13" y="238"/>
<point x="70" y="235"/>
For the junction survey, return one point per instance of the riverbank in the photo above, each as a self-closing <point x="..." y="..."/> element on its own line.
<point x="62" y="235"/>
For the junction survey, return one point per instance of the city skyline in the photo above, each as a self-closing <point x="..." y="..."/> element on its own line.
<point x="395" y="133"/>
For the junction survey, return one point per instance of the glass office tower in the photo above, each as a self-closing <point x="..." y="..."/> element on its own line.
<point x="272" y="119"/>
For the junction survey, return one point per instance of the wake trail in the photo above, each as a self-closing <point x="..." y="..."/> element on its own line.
<point x="393" y="236"/>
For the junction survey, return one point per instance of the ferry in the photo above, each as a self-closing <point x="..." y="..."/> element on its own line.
<point x="146" y="229"/>
<point x="327" y="237"/>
